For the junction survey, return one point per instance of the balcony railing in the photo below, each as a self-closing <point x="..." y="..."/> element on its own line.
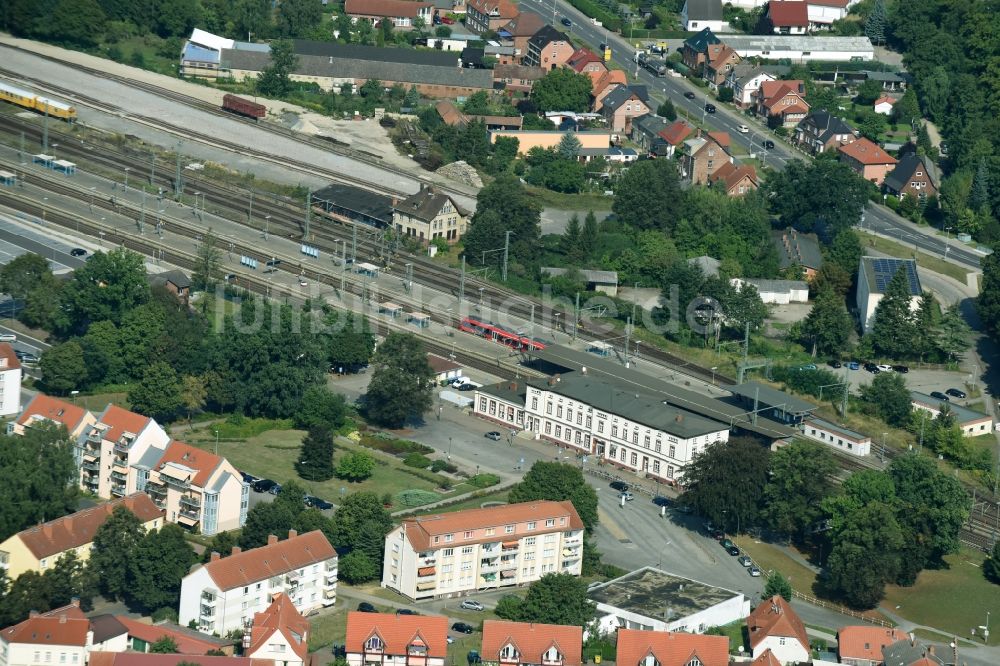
<point x="95" y="438"/>
<point x="208" y="599"/>
<point x="207" y="611"/>
<point x="122" y="447"/>
<point x="90" y="480"/>
<point x="118" y="489"/>
<point x="121" y="477"/>
<point x="119" y="462"/>
<point x="188" y="513"/>
<point x="191" y="500"/>
<point x="91" y="466"/>
<point x="158" y="489"/>
<point x="184" y="484"/>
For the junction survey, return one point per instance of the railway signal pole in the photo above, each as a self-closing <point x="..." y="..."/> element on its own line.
<point x="461" y="282"/>
<point x="142" y="213"/>
<point x="45" y="131"/>
<point x="506" y="253"/>
<point x="309" y="196"/>
<point x="178" y="180"/>
<point x="20" y="155"/>
<point x="152" y="169"/>
<point x="354" y="243"/>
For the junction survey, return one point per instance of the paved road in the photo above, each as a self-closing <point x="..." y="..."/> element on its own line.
<point x="727" y="119"/>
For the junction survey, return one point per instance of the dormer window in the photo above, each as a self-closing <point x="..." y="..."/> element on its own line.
<point x="374" y="644"/>
<point x="509" y="653"/>
<point x="695" y="661"/>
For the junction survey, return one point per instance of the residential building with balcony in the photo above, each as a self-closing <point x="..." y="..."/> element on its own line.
<point x="279" y="633"/>
<point x="38" y="548"/>
<point x="108" y="450"/>
<point x="46" y="409"/>
<point x="225" y="593"/>
<point x="384" y="639"/>
<point x="10" y="381"/>
<point x="452" y="554"/>
<point x="196" y="489"/>
<point x="528" y="644"/>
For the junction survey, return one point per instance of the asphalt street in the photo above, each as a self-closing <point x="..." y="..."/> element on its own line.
<point x="727" y="119"/>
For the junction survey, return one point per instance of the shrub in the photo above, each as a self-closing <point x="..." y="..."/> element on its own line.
<point x="484" y="480"/>
<point x="443" y="466"/>
<point x="165" y="614"/>
<point x="416" y="497"/>
<point x="393" y="446"/>
<point x="418" y="460"/>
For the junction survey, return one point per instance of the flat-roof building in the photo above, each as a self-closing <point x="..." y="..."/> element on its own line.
<point x="801" y="48"/>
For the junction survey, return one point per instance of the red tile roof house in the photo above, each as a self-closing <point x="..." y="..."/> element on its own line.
<point x="525" y="644"/>
<point x="734" y="180"/>
<point x="279" y="633"/>
<point x="46" y="409"/>
<point x="402" y="13"/>
<point x="867" y="159"/>
<point x="142" y="635"/>
<point x="674" y="136"/>
<point x="113" y="446"/>
<point x="604" y="84"/>
<point x="884" y="105"/>
<point x="670" y="648"/>
<point x="862" y="645"/>
<point x="484" y="15"/>
<point x="140" y="659"/>
<point x="375" y="639"/>
<point x="782" y="103"/>
<point x="63" y="635"/>
<point x="584" y="61"/>
<point x="519" y="30"/>
<point x="773" y="625"/>
<point x="623" y="104"/>
<point x="721" y="61"/>
<point x="786" y="17"/>
<point x="224" y="594"/>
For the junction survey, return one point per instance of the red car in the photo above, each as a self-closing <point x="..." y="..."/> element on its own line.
<point x="447" y="21"/>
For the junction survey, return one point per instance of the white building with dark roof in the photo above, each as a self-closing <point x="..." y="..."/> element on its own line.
<point x="874" y="276"/>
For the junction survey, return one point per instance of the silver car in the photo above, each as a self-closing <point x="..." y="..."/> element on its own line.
<point x="472" y="604"/>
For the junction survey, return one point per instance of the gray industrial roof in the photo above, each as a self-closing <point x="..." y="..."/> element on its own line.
<point x="597" y="277"/>
<point x="305" y="47"/>
<point x="359" y="200"/>
<point x="704" y="10"/>
<point x="510" y="391"/>
<point x="802" y="249"/>
<point x="652" y="593"/>
<point x="797" y="43"/>
<point x="351" y="67"/>
<point x="772" y="397"/>
<point x="833" y="427"/>
<point x="631" y="380"/>
<point x="962" y="414"/>
<point x="773" y="286"/>
<point x="649" y="410"/>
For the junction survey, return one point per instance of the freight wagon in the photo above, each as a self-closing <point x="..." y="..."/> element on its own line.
<point x="243" y="107"/>
<point x="30" y="100"/>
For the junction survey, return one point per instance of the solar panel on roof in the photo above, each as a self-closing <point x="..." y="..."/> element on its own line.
<point x="885" y="269"/>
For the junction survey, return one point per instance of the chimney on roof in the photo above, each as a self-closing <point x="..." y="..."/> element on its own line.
<point x="214" y="557"/>
<point x="75" y="602"/>
<point x="930" y="650"/>
<point x="271" y="539"/>
<point x="32" y="614"/>
<point x="512" y="386"/>
<point x="236" y="550"/>
<point x="62" y="618"/>
<point x="292" y="534"/>
<point x="679" y="418"/>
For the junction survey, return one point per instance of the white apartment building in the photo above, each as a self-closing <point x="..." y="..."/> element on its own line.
<point x="451" y="554"/>
<point x="228" y="591"/>
<point x="10" y="381"/>
<point x="109" y="450"/>
<point x="195" y="488"/>
<point x="61" y="636"/>
<point x="46" y="409"/>
<point x="633" y="431"/>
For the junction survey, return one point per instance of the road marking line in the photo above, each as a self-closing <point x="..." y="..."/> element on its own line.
<point x="605" y="519"/>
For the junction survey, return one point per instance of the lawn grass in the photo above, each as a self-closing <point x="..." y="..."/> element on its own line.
<point x="329" y="627"/>
<point x="582" y="201"/>
<point x="770" y="557"/>
<point x="953" y="600"/>
<point x="928" y="261"/>
<point x="98" y="401"/>
<point x="737" y="634"/>
<point x="272" y="455"/>
<point x="468" y="503"/>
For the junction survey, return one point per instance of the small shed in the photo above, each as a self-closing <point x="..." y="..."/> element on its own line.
<point x="600" y="348"/>
<point x="445" y="369"/>
<point x="370" y="270"/>
<point x="43" y="159"/>
<point x="419" y="319"/>
<point x="68" y="168"/>
<point x="605" y="282"/>
<point x="8" y="178"/>
<point x="391" y="309"/>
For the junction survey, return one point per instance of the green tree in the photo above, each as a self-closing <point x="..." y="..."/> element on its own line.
<point x="569" y="244"/>
<point x="63" y="368"/>
<point x="159" y="562"/>
<point x="207" y="261"/>
<point x="649" y="196"/>
<point x="588" y="236"/>
<point x="777" y="585"/>
<point x="504" y="153"/>
<point x="845" y="251"/>
<point x="177" y="17"/>
<point x="953" y="334"/>
<point x="865" y="555"/>
<point x="164" y="645"/>
<point x="502" y="206"/>
<point x="477" y="104"/>
<point x="666" y="110"/>
<point x="106" y="288"/>
<point x="888" y="398"/>
<point x="875" y="24"/>
<point x="412" y="98"/>
<point x="402" y="382"/>
<point x="557" y="598"/>
<point x="801" y="477"/>
<point x="979" y="196"/>
<point x="357" y="567"/>
<point x="868" y="92"/>
<point x="907" y="108"/>
<point x="826" y="210"/>
<point x="159" y="394"/>
<point x="297" y="17"/>
<point x="726" y="482"/>
<point x="442" y="31"/>
<point x="893" y="329"/>
<point x="558" y="482"/>
<point x="321" y="408"/>
<point x="70" y="579"/>
<point x="562" y="89"/>
<point x="569" y="147"/>
<point x="745" y="307"/>
<point x="872" y="126"/>
<point x="43" y="308"/>
<point x="37" y="477"/>
<point x="193" y="395"/>
<point x="78" y="22"/>
<point x="315" y="461"/>
<point x="29" y="592"/>
<point x="991" y="567"/>
<point x="263" y="520"/>
<point x="116" y="543"/>
<point x="274" y="80"/>
<point x="509" y="608"/>
<point x="222" y="543"/>
<point x="350" y="341"/>
<point x="24" y="273"/>
<point x="828" y="326"/>
<point x="360" y="524"/>
<point x="355" y="466"/>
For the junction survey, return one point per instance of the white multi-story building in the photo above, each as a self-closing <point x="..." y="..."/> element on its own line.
<point x="452" y="554"/>
<point x="631" y="430"/>
<point x="10" y="381"/>
<point x="195" y="488"/>
<point x="61" y="636"/>
<point x="109" y="450"/>
<point x="224" y="594"/>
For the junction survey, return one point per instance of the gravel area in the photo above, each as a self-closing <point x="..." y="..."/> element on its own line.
<point x="153" y="106"/>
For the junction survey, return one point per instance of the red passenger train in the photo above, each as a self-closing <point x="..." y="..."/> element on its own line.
<point x="498" y="333"/>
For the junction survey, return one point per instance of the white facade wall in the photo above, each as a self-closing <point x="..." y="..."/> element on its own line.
<point x="821" y="16"/>
<point x="837" y="440"/>
<point x="220" y="611"/>
<point x="742" y="94"/>
<point x="460" y="569"/>
<point x="496" y="409"/>
<point x="278" y="648"/>
<point x="730" y="610"/>
<point x="10" y="391"/>
<point x="787" y="649"/>
<point x="368" y="658"/>
<point x="31" y="654"/>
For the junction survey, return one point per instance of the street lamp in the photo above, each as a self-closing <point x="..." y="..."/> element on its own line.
<point x="714" y="368"/>
<point x="216" y="442"/>
<point x="449" y="449"/>
<point x="127" y="169"/>
<point x="267" y="224"/>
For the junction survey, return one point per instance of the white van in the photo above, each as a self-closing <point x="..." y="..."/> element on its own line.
<point x="8" y="337"/>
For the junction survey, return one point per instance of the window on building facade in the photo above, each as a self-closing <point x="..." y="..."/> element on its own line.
<point x="534" y="404"/>
<point x="635" y="459"/>
<point x="656" y="466"/>
<point x="447" y="552"/>
<point x="373" y="643"/>
<point x="672" y="451"/>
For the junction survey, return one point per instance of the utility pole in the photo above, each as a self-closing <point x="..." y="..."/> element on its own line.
<point x="409" y="277"/>
<point x="250" y="212"/>
<point x="628" y="331"/>
<point x="343" y="266"/>
<point x="531" y="322"/>
<point x="354" y="243"/>
<point x="152" y="169"/>
<point x="461" y="282"/>
<point x="142" y="213"/>
<point x="746" y="343"/>
<point x="178" y="182"/>
<point x="45" y="131"/>
<point x="21" y="154"/>
<point x="506" y="252"/>
<point x="843" y="406"/>
<point x="576" y="315"/>
<point x="309" y="196"/>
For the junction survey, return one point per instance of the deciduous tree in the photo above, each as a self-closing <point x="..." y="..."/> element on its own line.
<point x="296" y="17"/>
<point x="361" y="523"/>
<point x="274" y="79"/>
<point x="159" y="562"/>
<point x="558" y="481"/>
<point x="800" y="479"/>
<point x="726" y="482"/>
<point x="401" y="384"/>
<point x="648" y="196"/>
<point x="37" y="477"/>
<point x="159" y="394"/>
<point x="557" y="598"/>
<point x="991" y="567"/>
<point x="503" y="206"/>
<point x="315" y="461"/>
<point x="777" y="584"/>
<point x="826" y="210"/>
<point x="355" y="466"/>
<point x="106" y="288"/>
<point x="116" y="543"/>
<point x="321" y="408"/>
<point x="562" y="89"/>
<point x="164" y="645"/>
<point x="63" y="368"/>
<point x="888" y="398"/>
<point x="356" y="567"/>
<point x="207" y="261"/>
<point x="827" y="328"/>
<point x="263" y="520"/>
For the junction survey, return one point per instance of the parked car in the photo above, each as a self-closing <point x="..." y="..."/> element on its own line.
<point x="566" y="22"/>
<point x="754" y="571"/>
<point x="660" y="500"/>
<point x="956" y="393"/>
<point x="462" y="628"/>
<point x="689" y="95"/>
<point x="406" y="611"/>
<point x="455" y="383"/>
<point x="853" y="365"/>
<point x="249" y="478"/>
<point x="742" y="129"/>
<point x="78" y="252"/>
<point x="8" y="337"/>
<point x="467" y="387"/>
<point x="768" y="144"/>
<point x="366" y="607"/>
<point x="883" y="367"/>
<point x="317" y="503"/>
<point x="627" y="496"/>
<point x="902" y="369"/>
<point x="275" y="489"/>
<point x="717" y="534"/>
<point x="872" y="368"/>
<point x="620" y="486"/>
<point x="734" y="551"/>
<point x="940" y="396"/>
<point x="834" y="364"/>
<point x="709" y="108"/>
<point x="494" y="435"/>
<point x="727" y="543"/>
<point x="28" y="357"/>
<point x="473" y="657"/>
<point x="807" y="366"/>
<point x="447" y="21"/>
<point x="264" y="485"/>
<point x="745" y="560"/>
<point x="472" y="604"/>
